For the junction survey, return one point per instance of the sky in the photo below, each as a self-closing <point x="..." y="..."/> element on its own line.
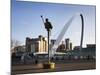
<point x="26" y="21"/>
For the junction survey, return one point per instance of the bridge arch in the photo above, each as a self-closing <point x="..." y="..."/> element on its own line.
<point x="65" y="28"/>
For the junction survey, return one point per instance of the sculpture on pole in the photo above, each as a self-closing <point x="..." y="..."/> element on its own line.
<point x="48" y="27"/>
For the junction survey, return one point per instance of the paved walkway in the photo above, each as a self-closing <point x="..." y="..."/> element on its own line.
<point x="24" y="69"/>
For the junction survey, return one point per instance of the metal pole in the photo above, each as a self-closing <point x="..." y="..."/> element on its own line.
<point x="48" y="48"/>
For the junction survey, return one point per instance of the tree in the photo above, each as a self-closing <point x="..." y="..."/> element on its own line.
<point x="15" y="43"/>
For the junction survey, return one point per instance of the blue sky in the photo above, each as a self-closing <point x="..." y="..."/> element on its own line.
<point x="26" y="20"/>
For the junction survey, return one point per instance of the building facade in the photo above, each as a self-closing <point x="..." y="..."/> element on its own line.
<point x="71" y="46"/>
<point x="36" y="44"/>
<point x="61" y="47"/>
<point x="18" y="49"/>
<point x="67" y="44"/>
